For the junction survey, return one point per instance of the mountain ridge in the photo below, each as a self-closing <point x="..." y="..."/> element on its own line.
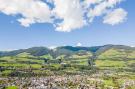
<point x="67" y="50"/>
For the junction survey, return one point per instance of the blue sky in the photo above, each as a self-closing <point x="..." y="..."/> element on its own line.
<point x="15" y="36"/>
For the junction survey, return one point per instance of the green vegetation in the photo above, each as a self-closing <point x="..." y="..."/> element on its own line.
<point x="112" y="65"/>
<point x="12" y="87"/>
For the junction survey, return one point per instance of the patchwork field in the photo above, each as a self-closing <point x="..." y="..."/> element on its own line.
<point x="111" y="69"/>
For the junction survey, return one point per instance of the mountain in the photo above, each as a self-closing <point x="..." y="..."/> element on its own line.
<point x="39" y="51"/>
<point x="107" y="47"/>
<point x="35" y="51"/>
<point x="116" y="52"/>
<point x="69" y="50"/>
<point x="78" y="48"/>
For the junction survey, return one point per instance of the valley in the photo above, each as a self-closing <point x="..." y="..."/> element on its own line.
<point x="67" y="67"/>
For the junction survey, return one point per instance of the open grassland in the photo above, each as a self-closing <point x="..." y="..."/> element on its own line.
<point x="113" y="69"/>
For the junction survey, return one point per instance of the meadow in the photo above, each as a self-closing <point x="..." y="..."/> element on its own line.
<point x="109" y="70"/>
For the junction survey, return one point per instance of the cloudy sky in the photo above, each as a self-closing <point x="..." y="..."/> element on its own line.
<point x="28" y="23"/>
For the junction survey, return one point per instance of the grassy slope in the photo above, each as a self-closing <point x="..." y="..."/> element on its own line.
<point x="119" y="61"/>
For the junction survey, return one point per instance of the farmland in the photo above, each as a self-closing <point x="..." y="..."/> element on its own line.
<point x="112" y="68"/>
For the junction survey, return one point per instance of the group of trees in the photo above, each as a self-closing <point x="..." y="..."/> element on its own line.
<point x="92" y="59"/>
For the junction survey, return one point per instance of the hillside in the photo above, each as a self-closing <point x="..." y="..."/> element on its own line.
<point x="69" y="50"/>
<point x="113" y="65"/>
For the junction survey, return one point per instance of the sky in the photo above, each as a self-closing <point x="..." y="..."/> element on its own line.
<point x="51" y="23"/>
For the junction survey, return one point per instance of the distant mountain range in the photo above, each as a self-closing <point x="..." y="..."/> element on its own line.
<point x="65" y="50"/>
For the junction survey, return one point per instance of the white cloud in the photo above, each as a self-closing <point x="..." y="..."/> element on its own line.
<point x="52" y="47"/>
<point x="67" y="15"/>
<point x="78" y="44"/>
<point x="115" y="17"/>
<point x="101" y="8"/>
<point x="32" y="11"/>
<point x="71" y="12"/>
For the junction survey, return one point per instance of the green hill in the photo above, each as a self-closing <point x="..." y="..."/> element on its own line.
<point x="109" y="63"/>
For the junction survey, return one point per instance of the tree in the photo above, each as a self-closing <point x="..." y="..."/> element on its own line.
<point x="90" y="62"/>
<point x="92" y="59"/>
<point x="46" y="60"/>
<point x="1" y="68"/>
<point x="60" y="60"/>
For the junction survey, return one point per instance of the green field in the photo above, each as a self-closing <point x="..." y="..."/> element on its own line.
<point x="113" y="68"/>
